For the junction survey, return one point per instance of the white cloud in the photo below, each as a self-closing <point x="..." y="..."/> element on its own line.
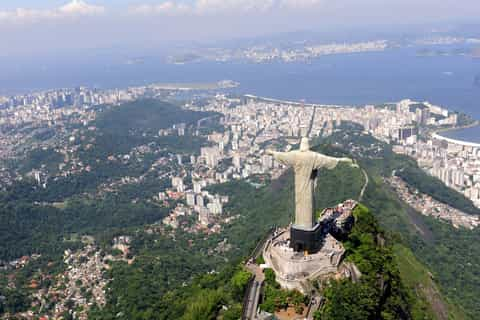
<point x="72" y="9"/>
<point x="168" y="7"/>
<point x="79" y="7"/>
<point x="212" y="6"/>
<point x="299" y="4"/>
<point x="206" y="7"/>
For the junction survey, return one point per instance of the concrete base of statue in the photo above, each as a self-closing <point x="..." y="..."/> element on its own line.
<point x="293" y="269"/>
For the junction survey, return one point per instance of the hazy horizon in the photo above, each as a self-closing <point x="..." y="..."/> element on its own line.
<point x="31" y="28"/>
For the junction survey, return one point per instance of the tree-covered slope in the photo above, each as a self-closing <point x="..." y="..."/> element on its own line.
<point x="34" y="219"/>
<point x="450" y="254"/>
<point x="258" y="210"/>
<point x="380" y="292"/>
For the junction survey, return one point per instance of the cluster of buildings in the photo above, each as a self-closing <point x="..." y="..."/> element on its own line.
<point x="87" y="97"/>
<point x="57" y="108"/>
<point x="238" y="152"/>
<point x="60" y="98"/>
<point x="74" y="291"/>
<point x="206" y="207"/>
<point x="446" y="40"/>
<point x="41" y="119"/>
<point x="18" y="263"/>
<point x="392" y="123"/>
<point x="187" y="189"/>
<point x="267" y="53"/>
<point x="269" y="119"/>
<point x="260" y="54"/>
<point x="254" y="123"/>
<point x="338" y="48"/>
<point x="77" y="289"/>
<point x="81" y="286"/>
<point x="85" y="269"/>
<point x="428" y="206"/>
<point x="22" y="124"/>
<point x="455" y="163"/>
<point x="403" y="124"/>
<point x="308" y="50"/>
<point x="232" y="154"/>
<point x="59" y="121"/>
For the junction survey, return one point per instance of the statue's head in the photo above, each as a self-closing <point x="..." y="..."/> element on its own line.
<point x="304" y="145"/>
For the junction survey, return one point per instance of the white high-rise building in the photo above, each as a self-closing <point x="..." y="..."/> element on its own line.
<point x="197" y="187"/>
<point x="177" y="182"/>
<point x="267" y="162"/>
<point x="211" y="156"/>
<point x="237" y="161"/>
<point x="199" y="199"/>
<point x="190" y="197"/>
<point x="204" y="216"/>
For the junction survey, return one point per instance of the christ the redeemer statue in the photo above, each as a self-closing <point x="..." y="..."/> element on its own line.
<point x="306" y="163"/>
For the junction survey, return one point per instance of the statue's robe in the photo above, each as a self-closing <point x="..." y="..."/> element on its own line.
<point x="305" y="165"/>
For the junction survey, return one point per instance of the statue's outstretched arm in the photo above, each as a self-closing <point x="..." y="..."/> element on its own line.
<point x="352" y="162"/>
<point x="283" y="157"/>
<point x="323" y="161"/>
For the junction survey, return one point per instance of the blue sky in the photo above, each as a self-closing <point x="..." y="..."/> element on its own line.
<point x="34" y="26"/>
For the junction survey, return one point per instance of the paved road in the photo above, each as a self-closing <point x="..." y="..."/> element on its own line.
<point x="360" y="197"/>
<point x="250" y="311"/>
<point x="314" y="307"/>
<point x="255" y="290"/>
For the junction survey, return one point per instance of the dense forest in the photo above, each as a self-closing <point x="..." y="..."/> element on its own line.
<point x="46" y="221"/>
<point x="380" y="292"/>
<point x="34" y="219"/>
<point x="450" y="254"/>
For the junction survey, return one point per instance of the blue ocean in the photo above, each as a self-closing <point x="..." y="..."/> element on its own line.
<point x="451" y="81"/>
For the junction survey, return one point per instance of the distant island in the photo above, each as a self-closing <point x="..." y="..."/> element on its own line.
<point x="223" y="84"/>
<point x="308" y="50"/>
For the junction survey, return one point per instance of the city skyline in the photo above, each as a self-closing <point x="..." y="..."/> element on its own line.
<point x="32" y="27"/>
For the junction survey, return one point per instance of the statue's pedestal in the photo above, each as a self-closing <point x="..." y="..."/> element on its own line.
<point x="294" y="269"/>
<point x="309" y="240"/>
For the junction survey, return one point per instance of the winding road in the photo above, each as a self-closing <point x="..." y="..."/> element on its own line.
<point x="362" y="192"/>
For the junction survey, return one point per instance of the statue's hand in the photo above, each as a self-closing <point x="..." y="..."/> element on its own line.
<point x="270" y="152"/>
<point x="354" y="164"/>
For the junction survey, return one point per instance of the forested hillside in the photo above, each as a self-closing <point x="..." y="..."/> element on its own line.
<point x="449" y="253"/>
<point x="171" y="270"/>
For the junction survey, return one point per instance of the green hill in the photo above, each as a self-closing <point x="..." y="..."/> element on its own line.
<point x="182" y="277"/>
<point x="380" y="292"/>
<point x="429" y="302"/>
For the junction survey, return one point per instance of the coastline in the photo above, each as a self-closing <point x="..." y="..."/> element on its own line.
<point x="476" y="123"/>
<point x="464" y="142"/>
<point x="295" y="103"/>
<point x="436" y="134"/>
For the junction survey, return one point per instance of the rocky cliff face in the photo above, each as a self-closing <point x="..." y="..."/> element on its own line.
<point x="339" y="221"/>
